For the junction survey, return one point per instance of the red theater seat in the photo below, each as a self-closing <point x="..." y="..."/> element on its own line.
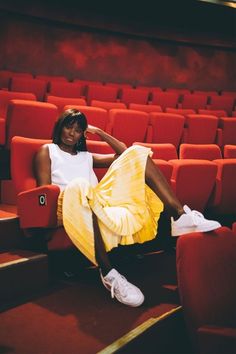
<point x="161" y="151"/>
<point x="61" y="102"/>
<point x="200" y="129"/>
<point x="218" y="113"/>
<point x="230" y="151"/>
<point x="128" y="125"/>
<point x="225" y="103"/>
<point x="101" y="93"/>
<point x="206" y="268"/>
<point x="193" y="181"/>
<point x="183" y="111"/>
<point x="49" y="78"/>
<point x="180" y="91"/>
<point x="118" y="85"/>
<point x="31" y="213"/>
<point x="150" y="88"/>
<point x="5" y="98"/>
<point x="165" y="99"/>
<point x="107" y="105"/>
<point x="206" y="93"/>
<point x="229" y="93"/>
<point x="130" y="95"/>
<point x="95" y="116"/>
<point x="194" y="101"/>
<point x="227" y="134"/>
<point x="30" y="119"/>
<point x="145" y="107"/>
<point x="166" y="128"/>
<point x="35" y="86"/>
<point x="224" y="194"/>
<point x="65" y="89"/>
<point x="22" y="75"/>
<point x="200" y="151"/>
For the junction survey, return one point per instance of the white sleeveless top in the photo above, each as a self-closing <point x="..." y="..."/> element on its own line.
<point x="66" y="167"/>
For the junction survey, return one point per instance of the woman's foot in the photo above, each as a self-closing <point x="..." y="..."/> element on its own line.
<point x="192" y="221"/>
<point x="121" y="289"/>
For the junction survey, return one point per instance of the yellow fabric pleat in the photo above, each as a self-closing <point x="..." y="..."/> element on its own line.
<point x="127" y="209"/>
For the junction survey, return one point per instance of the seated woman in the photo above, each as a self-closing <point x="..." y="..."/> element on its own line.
<point x="123" y="208"/>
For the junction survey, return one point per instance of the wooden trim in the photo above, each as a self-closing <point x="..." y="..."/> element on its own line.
<point x="134" y="333"/>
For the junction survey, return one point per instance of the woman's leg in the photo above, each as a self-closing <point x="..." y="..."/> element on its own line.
<point x="119" y="287"/>
<point x="100" y="251"/>
<point x="157" y="182"/>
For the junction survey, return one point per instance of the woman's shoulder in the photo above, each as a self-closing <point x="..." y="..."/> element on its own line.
<point x="44" y="149"/>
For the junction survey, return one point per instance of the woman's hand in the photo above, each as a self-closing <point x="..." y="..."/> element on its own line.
<point x="92" y="129"/>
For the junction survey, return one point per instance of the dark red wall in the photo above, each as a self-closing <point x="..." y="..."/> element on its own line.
<point x="52" y="47"/>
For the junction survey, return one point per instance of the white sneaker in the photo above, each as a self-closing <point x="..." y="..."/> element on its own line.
<point x="192" y="221"/>
<point x="120" y="288"/>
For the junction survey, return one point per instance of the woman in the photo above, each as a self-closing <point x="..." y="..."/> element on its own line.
<point x="123" y="208"/>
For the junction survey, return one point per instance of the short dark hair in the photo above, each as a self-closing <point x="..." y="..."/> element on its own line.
<point x="67" y="118"/>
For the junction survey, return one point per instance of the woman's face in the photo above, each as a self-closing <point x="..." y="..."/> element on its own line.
<point x="71" y="134"/>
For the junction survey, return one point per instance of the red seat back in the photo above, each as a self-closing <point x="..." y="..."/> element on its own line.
<point x="193" y="181"/>
<point x="165" y="99"/>
<point x="23" y="151"/>
<point x="145" y="107"/>
<point x="224" y="194"/>
<point x="194" y="101"/>
<point x="61" y="102"/>
<point x="101" y="93"/>
<point x="161" y="151"/>
<point x="30" y="119"/>
<point x="128" y="125"/>
<point x="206" y="268"/>
<point x="35" y="86"/>
<point x="65" y="89"/>
<point x="200" y="151"/>
<point x="228" y="128"/>
<point x="230" y="151"/>
<point x="200" y="129"/>
<point x="166" y="128"/>
<point x="130" y="95"/>
<point x="7" y="96"/>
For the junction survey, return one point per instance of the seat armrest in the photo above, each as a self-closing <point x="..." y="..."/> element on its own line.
<point x="37" y="207"/>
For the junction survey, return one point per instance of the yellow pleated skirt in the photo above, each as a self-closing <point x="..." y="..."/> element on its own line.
<point x="126" y="208"/>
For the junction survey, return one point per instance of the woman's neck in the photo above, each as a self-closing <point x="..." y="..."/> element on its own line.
<point x="67" y="148"/>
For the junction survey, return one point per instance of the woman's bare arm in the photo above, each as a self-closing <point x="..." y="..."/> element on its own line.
<point x="42" y="166"/>
<point x="100" y="160"/>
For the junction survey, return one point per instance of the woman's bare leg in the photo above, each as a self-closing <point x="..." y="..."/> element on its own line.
<point x="100" y="251"/>
<point x="157" y="182"/>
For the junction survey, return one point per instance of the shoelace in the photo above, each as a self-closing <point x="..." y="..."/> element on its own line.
<point x="197" y="217"/>
<point x="121" y="283"/>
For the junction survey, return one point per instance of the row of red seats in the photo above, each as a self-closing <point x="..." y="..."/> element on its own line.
<point x="60" y="102"/>
<point x="203" y="184"/>
<point x="125" y="93"/>
<point x="7" y="75"/>
<point x="36" y="119"/>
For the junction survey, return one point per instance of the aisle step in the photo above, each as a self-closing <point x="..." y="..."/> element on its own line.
<point x="22" y="273"/>
<point x="11" y="235"/>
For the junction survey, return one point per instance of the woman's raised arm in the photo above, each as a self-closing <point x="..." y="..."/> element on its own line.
<point x="100" y="160"/>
